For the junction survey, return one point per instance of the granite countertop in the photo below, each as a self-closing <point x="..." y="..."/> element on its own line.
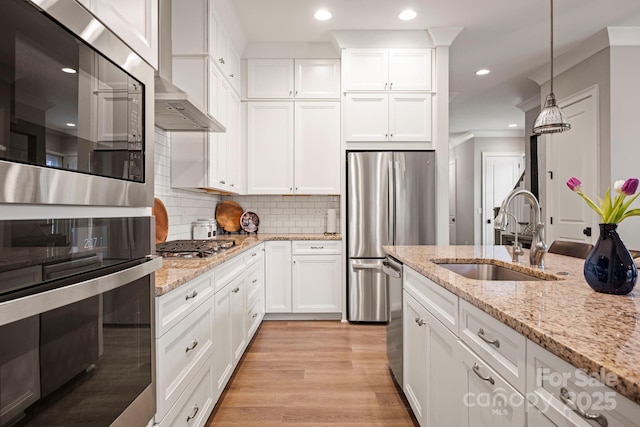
<point x="176" y="272"/>
<point x="590" y="330"/>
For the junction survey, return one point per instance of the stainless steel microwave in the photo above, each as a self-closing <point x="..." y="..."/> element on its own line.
<point x="76" y="110"/>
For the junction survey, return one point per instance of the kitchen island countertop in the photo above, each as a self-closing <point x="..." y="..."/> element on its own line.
<point x="590" y="330"/>
<point x="176" y="272"/>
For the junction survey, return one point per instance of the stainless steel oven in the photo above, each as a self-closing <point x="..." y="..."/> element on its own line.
<point x="76" y="110"/>
<point x="77" y="322"/>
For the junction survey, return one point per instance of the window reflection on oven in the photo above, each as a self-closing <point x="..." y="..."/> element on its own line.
<point x="78" y="365"/>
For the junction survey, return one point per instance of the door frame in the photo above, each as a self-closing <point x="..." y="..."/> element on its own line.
<point x="485" y="155"/>
<point x="590" y="92"/>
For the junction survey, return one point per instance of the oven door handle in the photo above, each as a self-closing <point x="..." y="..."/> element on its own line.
<point x="21" y="308"/>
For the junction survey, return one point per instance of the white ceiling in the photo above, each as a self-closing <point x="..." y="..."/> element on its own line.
<point x="510" y="37"/>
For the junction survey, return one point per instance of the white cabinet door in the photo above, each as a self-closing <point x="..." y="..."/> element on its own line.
<point x="317" y="148"/>
<point x="270" y="147"/>
<point x="278" y="277"/>
<point x="135" y="22"/>
<point x="270" y="78"/>
<point x="367" y="117"/>
<point x="317" y="78"/>
<point x="223" y="352"/>
<point x="415" y="356"/>
<point x="238" y="341"/>
<point x="409" y="117"/>
<point x="488" y="400"/>
<point x="189" y="27"/>
<point x="233" y="67"/>
<point x="366" y="69"/>
<point x="236" y="161"/>
<point x="410" y="69"/>
<point x="316" y="284"/>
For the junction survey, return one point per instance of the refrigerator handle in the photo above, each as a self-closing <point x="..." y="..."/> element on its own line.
<point x="396" y="194"/>
<point x="391" y="206"/>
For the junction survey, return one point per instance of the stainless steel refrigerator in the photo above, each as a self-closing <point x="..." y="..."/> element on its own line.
<point x="390" y="201"/>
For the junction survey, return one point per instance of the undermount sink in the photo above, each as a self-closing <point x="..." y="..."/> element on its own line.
<point x="491" y="272"/>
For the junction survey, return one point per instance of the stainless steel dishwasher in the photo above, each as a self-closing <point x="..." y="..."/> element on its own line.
<point x="393" y="269"/>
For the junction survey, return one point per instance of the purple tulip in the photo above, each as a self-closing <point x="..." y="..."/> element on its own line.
<point x="629" y="187"/>
<point x="575" y="184"/>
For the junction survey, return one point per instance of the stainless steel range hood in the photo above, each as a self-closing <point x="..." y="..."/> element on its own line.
<point x="175" y="109"/>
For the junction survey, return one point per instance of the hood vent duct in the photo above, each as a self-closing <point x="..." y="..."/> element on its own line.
<point x="175" y="109"/>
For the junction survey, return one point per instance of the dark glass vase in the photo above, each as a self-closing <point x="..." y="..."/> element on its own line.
<point x="609" y="267"/>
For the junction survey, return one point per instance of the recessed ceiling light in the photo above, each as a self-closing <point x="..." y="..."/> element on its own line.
<point x="513" y="125"/>
<point x="322" y="15"/>
<point x="71" y="125"/>
<point x="69" y="70"/>
<point x="407" y="15"/>
<point x="482" y="72"/>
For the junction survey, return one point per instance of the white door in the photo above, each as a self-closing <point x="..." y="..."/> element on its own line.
<point x="568" y="214"/>
<point x="316" y="284"/>
<point x="409" y="69"/>
<point x="317" y="148"/>
<point x="366" y="69"/>
<point x="409" y="117"/>
<point x="270" y="78"/>
<point x="317" y="78"/>
<point x="278" y="277"/>
<point x="270" y="148"/>
<point x="453" y="191"/>
<point x="500" y="173"/>
<point x="367" y="117"/>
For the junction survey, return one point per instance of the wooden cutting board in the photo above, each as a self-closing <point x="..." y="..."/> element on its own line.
<point x="228" y="215"/>
<point x="162" y="220"/>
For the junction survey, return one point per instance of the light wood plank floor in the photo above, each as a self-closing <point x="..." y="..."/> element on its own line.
<point x="320" y="373"/>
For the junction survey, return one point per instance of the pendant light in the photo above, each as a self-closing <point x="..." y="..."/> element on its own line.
<point x="551" y="119"/>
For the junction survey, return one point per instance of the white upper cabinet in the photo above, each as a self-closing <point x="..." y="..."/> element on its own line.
<point x="197" y="30"/>
<point x="289" y="79"/>
<point x="317" y="78"/>
<point x="293" y="150"/>
<point x="387" y="69"/>
<point x="270" y="78"/>
<point x="135" y="22"/>
<point x="270" y="148"/>
<point x="317" y="148"/>
<point x="388" y="117"/>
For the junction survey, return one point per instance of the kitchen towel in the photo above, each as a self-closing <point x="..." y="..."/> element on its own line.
<point x="331" y="221"/>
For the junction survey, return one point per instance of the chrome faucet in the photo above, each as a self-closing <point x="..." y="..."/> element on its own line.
<point x="516" y="248"/>
<point x="538" y="246"/>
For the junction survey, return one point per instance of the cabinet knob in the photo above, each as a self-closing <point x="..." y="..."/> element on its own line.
<point x="420" y="322"/>
<point x="192" y="295"/>
<point x="255" y="315"/>
<point x="385" y="85"/>
<point x="222" y="182"/>
<point x="231" y="75"/>
<point x="290" y="188"/>
<point x="290" y="92"/>
<point x="235" y="290"/>
<point x="296" y="93"/>
<point x="221" y="60"/>
<point x="390" y="85"/>
<point x="254" y="281"/>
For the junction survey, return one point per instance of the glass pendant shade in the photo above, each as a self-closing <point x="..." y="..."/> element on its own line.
<point x="551" y="119"/>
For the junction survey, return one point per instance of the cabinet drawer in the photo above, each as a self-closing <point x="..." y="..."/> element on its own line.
<point x="194" y="405"/>
<point x="548" y="375"/>
<point x="226" y="272"/>
<point x="308" y="247"/>
<point x="255" y="254"/>
<point x="180" y="352"/>
<point x="255" y="281"/>
<point x="441" y="303"/>
<point x="174" y="306"/>
<point x="499" y="345"/>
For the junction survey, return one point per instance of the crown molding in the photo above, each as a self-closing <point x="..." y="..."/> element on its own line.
<point x="529" y="104"/>
<point x="444" y="36"/>
<point x="607" y="37"/>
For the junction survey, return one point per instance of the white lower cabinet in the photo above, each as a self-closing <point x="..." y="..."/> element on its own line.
<point x="487" y="399"/>
<point x="430" y="380"/>
<point x="567" y="396"/>
<point x="303" y="277"/>
<point x="203" y="330"/>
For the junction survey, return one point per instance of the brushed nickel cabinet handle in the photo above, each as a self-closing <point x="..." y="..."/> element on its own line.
<point x="317" y="247"/>
<point x="192" y="295"/>
<point x="565" y="396"/>
<point x="235" y="291"/>
<point x="495" y="342"/>
<point x="420" y="322"/>
<point x="476" y="369"/>
<point x="193" y="345"/>
<point x="195" y="411"/>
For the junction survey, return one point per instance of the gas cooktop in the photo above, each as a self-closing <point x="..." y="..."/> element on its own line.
<point x="193" y="248"/>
